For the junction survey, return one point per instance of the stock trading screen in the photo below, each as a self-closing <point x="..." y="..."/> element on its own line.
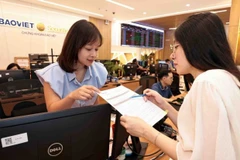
<point x="141" y="37"/>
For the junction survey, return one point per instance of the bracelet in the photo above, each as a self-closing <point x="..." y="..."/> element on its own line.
<point x="156" y="138"/>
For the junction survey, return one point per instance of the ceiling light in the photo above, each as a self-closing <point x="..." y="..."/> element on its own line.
<point x="75" y="9"/>
<point x="144" y="12"/>
<point x="122" y="5"/>
<point x="219" y="11"/>
<point x="227" y="23"/>
<point x="172" y="28"/>
<point x="188" y="5"/>
<point x="139" y="25"/>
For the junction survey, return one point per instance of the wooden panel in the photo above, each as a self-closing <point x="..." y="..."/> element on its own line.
<point x="169" y="38"/>
<point x="104" y="51"/>
<point x="234" y="27"/>
<point x="23" y="62"/>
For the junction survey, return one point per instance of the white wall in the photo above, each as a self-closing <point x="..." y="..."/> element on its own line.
<point x="20" y="36"/>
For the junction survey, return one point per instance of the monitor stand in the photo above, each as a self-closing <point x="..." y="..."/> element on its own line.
<point x="142" y="152"/>
<point x="138" y="147"/>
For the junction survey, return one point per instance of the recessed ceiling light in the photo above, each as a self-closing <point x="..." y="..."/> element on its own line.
<point x="120" y="4"/>
<point x="172" y="28"/>
<point x="188" y="5"/>
<point x="144" y="12"/>
<point x="75" y="9"/>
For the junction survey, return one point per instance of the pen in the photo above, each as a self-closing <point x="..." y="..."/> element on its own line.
<point x="140" y="95"/>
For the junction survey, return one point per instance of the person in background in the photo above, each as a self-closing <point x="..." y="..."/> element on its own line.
<point x="165" y="79"/>
<point x="140" y="69"/>
<point x="170" y="65"/>
<point x="13" y="66"/>
<point x="74" y="80"/>
<point x="208" y="121"/>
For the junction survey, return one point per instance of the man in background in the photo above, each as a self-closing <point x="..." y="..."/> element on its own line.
<point x="165" y="79"/>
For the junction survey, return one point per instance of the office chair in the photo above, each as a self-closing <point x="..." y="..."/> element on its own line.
<point x="27" y="107"/>
<point x="188" y="80"/>
<point x="175" y="85"/>
<point x="147" y="81"/>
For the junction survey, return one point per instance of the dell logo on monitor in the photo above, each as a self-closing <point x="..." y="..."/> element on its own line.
<point x="55" y="149"/>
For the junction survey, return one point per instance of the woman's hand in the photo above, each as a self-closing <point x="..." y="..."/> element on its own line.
<point x="134" y="125"/>
<point x="84" y="93"/>
<point x="155" y="98"/>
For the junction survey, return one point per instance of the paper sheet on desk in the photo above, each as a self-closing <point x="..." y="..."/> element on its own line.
<point x="120" y="99"/>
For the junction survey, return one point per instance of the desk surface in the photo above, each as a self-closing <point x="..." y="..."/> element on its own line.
<point x="152" y="148"/>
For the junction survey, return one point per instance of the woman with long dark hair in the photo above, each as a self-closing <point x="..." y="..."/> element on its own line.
<point x="208" y="120"/>
<point x="75" y="79"/>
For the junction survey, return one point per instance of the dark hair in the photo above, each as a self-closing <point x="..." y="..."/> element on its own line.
<point x="11" y="65"/>
<point x="163" y="73"/>
<point x="203" y="39"/>
<point x="80" y="34"/>
<point x="167" y="60"/>
<point x="134" y="60"/>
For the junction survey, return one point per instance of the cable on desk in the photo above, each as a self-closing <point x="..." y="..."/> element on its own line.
<point x="160" y="155"/>
<point x="148" y="155"/>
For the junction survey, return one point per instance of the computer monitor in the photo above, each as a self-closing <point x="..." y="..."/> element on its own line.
<point x="152" y="68"/>
<point x="13" y="75"/>
<point x="76" y="134"/>
<point x="130" y="70"/>
<point x="38" y="57"/>
<point x="38" y="65"/>
<point x="161" y="66"/>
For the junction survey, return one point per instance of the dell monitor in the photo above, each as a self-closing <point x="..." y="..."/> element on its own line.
<point x="75" y="134"/>
<point x="13" y="75"/>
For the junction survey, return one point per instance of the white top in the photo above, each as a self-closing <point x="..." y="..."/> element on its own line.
<point x="209" y="118"/>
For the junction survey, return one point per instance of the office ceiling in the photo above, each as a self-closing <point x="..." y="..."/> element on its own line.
<point x="168" y="23"/>
<point x="155" y="10"/>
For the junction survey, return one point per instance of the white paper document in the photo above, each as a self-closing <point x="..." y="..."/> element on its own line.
<point x="121" y="99"/>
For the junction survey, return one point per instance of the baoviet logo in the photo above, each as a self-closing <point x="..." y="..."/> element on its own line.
<point x="40" y="26"/>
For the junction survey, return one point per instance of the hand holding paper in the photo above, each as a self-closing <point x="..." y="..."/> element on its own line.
<point x="121" y="99"/>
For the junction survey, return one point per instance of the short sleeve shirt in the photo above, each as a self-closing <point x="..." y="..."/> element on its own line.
<point x="164" y="92"/>
<point x="63" y="82"/>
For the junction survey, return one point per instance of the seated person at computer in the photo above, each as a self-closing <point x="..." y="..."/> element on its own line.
<point x="74" y="79"/>
<point x="13" y="66"/>
<point x="165" y="79"/>
<point x="170" y="65"/>
<point x="140" y="69"/>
